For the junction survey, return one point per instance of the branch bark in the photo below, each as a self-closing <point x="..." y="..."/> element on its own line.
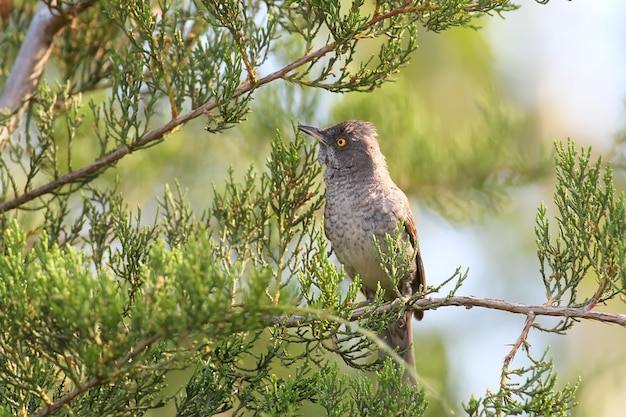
<point x="154" y="135"/>
<point x="470" y="302"/>
<point x="538" y="310"/>
<point x="530" y="320"/>
<point x="31" y="60"/>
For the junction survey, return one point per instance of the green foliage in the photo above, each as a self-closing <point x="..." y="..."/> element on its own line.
<point x="395" y="21"/>
<point x="63" y="328"/>
<point x="99" y="333"/>
<point x="389" y="397"/>
<point x="396" y="254"/>
<point x="527" y="390"/>
<point x="337" y="395"/>
<point x="591" y="231"/>
<point x="289" y="202"/>
<point x="589" y="241"/>
<point x="99" y="304"/>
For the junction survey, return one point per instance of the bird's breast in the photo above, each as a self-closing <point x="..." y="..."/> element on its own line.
<point x="354" y="213"/>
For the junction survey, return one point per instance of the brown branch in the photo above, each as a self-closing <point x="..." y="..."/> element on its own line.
<point x="539" y="310"/>
<point x="405" y="8"/>
<point x="530" y="319"/>
<point x="596" y="297"/>
<point x="153" y="135"/>
<point x="31" y="60"/>
<point x="469" y="302"/>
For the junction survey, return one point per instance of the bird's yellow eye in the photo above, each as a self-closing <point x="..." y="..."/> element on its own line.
<point x="341" y="142"/>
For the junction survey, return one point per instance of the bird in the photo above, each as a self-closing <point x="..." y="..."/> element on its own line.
<point x="362" y="203"/>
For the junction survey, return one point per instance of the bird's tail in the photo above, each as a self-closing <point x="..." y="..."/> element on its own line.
<point x="399" y="337"/>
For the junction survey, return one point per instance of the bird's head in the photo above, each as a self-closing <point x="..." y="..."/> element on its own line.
<point x="349" y="146"/>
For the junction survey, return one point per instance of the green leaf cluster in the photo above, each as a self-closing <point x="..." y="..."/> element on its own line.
<point x="529" y="390"/>
<point x="96" y="316"/>
<point x="326" y="391"/>
<point x="588" y="250"/>
<point x="99" y="304"/>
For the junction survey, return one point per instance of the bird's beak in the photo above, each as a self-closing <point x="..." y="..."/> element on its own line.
<point x="313" y="131"/>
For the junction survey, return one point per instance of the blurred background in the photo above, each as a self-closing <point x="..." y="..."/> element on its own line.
<point x="468" y="129"/>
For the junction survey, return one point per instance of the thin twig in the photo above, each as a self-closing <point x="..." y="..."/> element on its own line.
<point x="596" y="297"/>
<point x="530" y="320"/>
<point x="539" y="310"/>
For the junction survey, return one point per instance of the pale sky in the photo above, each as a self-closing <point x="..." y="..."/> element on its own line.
<point x="568" y="57"/>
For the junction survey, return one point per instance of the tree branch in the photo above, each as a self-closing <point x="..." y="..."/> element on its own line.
<point x="31" y="60"/>
<point x="538" y="310"/>
<point x="154" y="135"/>
<point x="469" y="302"/>
<point x="530" y="320"/>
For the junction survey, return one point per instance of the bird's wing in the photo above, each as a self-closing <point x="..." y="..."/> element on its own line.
<point x="419" y="280"/>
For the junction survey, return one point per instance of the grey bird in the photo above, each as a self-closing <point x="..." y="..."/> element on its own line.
<point x="362" y="201"/>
